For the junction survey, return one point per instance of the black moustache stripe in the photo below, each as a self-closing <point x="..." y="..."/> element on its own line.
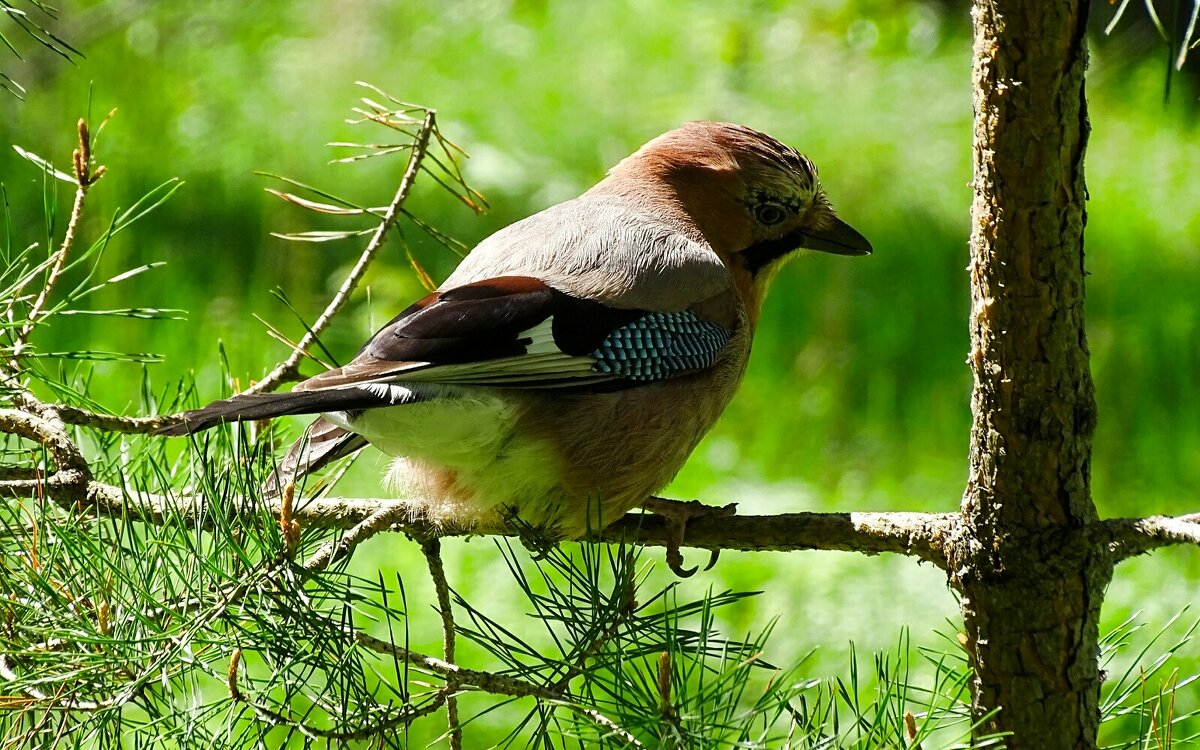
<point x="760" y="254"/>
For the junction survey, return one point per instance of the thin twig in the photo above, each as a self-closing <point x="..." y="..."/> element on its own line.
<point x="84" y="179"/>
<point x="431" y="547"/>
<point x="466" y="679"/>
<point x="276" y="718"/>
<point x="384" y="517"/>
<point x="603" y="721"/>
<point x="110" y="423"/>
<point x="56" y="702"/>
<point x="289" y="368"/>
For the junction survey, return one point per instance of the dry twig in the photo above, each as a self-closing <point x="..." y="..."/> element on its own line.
<point x="289" y="368"/>
<point x="431" y="547"/>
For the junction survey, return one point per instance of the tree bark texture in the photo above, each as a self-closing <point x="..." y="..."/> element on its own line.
<point x="1031" y="584"/>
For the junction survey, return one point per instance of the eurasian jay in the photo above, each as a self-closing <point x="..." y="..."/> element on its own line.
<point x="568" y="367"/>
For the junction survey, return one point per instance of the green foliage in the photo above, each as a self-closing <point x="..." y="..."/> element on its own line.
<point x="33" y="18"/>
<point x="1139" y="704"/>
<point x="117" y="631"/>
<point x="858" y="365"/>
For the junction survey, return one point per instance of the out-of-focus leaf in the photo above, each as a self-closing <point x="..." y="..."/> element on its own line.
<point x="143" y="313"/>
<point x="98" y="356"/>
<point x="317" y="236"/>
<point x="311" y="189"/>
<point x="1186" y="44"/>
<point x="12" y="86"/>
<point x="422" y="275"/>
<point x="324" y="208"/>
<point x="45" y="165"/>
<point x="380" y="151"/>
<point x="144" y="205"/>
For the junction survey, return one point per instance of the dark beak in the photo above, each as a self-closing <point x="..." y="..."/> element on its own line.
<point x="838" y="238"/>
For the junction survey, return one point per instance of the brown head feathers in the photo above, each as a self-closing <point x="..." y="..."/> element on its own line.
<point x="720" y="147"/>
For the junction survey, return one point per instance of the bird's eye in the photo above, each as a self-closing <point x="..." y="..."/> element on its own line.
<point x="769" y="214"/>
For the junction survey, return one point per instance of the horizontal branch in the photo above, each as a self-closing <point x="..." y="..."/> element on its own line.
<point x="921" y="535"/>
<point x="28" y="403"/>
<point x="1130" y="537"/>
<point x="917" y="534"/>
<point x="466" y="679"/>
<point x="112" y="423"/>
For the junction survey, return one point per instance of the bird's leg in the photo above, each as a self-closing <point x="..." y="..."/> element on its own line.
<point x="677" y="514"/>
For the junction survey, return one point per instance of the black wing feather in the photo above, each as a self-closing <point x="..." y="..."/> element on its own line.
<point x="484" y="320"/>
<point x="476" y="323"/>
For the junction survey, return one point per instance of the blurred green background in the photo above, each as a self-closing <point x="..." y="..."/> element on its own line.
<point x="857" y="394"/>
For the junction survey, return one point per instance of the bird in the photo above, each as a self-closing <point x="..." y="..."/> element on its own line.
<point x="565" y="371"/>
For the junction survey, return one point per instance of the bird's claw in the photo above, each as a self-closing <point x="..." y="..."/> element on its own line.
<point x="677" y="513"/>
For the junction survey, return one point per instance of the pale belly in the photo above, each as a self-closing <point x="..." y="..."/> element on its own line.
<point x="562" y="463"/>
<point x="461" y="460"/>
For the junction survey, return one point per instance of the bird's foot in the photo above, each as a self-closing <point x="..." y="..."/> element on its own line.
<point x="677" y="514"/>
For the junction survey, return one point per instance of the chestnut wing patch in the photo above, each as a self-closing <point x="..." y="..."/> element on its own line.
<point x="518" y="332"/>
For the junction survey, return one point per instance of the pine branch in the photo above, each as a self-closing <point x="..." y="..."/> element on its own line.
<point x="285" y="371"/>
<point x="109" y="422"/>
<point x="917" y="534"/>
<point x="921" y="535"/>
<point x="432" y="549"/>
<point x="289" y="368"/>
<point x="392" y="719"/>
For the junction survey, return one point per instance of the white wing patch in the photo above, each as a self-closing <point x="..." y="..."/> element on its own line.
<point x="393" y="393"/>
<point x="542" y="361"/>
<point x="541" y="339"/>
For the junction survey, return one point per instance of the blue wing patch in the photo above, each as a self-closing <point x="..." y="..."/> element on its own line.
<point x="658" y="345"/>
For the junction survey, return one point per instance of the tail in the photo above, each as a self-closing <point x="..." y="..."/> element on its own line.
<point x="323" y="444"/>
<point x="266" y="405"/>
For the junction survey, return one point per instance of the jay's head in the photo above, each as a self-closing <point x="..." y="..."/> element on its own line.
<point x="754" y="200"/>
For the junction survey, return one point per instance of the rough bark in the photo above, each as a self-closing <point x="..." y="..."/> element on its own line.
<point x="1031" y="581"/>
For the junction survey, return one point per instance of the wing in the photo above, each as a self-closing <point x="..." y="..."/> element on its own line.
<point x="508" y="332"/>
<point x="519" y="332"/>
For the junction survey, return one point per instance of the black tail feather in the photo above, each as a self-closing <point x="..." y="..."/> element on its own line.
<point x="323" y="444"/>
<point x="266" y="405"/>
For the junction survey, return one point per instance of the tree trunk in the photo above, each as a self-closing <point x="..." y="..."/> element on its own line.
<point x="1031" y="585"/>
